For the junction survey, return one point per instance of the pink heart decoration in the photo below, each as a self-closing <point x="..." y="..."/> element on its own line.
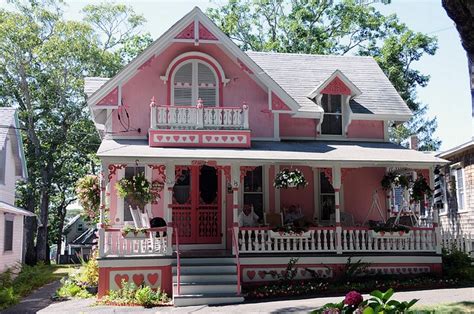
<point x="159" y="138"/>
<point x="118" y="279"/>
<point x="251" y="274"/>
<point x="224" y="138"/>
<point x="208" y="138"/>
<point x="192" y="137"/>
<point x="152" y="278"/>
<point x="216" y="138"/>
<point x="168" y="138"/>
<point x="240" y="138"/>
<point x="262" y="274"/>
<point x="176" y="138"/>
<point x="138" y="279"/>
<point x="232" y="138"/>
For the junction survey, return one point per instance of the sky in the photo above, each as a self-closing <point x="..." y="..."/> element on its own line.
<point x="447" y="94"/>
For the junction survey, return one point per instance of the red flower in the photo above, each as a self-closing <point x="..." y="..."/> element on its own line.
<point x="353" y="298"/>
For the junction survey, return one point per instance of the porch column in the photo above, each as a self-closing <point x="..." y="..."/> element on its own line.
<point x="100" y="226"/>
<point x="168" y="192"/>
<point x="336" y="174"/>
<point x="235" y="182"/>
<point x="277" y="193"/>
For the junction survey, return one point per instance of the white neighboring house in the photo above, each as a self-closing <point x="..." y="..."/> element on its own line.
<point x="12" y="168"/>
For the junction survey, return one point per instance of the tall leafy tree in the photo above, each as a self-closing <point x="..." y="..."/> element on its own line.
<point x="43" y="61"/>
<point x="338" y="27"/>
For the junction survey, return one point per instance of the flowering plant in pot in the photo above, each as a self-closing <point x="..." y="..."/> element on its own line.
<point x="287" y="178"/>
<point x="133" y="232"/>
<point x="88" y="195"/>
<point x="138" y="190"/>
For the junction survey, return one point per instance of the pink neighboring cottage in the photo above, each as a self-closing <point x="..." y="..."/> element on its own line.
<point x="215" y="125"/>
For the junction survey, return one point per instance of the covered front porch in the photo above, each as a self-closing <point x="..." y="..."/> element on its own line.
<point x="205" y="190"/>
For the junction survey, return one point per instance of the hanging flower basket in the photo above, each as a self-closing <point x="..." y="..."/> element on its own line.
<point x="138" y="190"/>
<point x="395" y="179"/>
<point x="88" y="195"/>
<point x="289" y="179"/>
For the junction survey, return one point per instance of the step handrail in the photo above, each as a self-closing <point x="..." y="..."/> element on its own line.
<point x="237" y="257"/>
<point x="178" y="261"/>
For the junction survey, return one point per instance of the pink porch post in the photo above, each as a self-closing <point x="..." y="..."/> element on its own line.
<point x="235" y="180"/>
<point x="103" y="179"/>
<point x="336" y="182"/>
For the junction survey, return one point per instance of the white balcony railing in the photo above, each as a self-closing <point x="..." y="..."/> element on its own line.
<point x="199" y="117"/>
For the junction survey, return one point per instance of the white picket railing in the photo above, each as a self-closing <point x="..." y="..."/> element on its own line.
<point x="157" y="242"/>
<point x="199" y="117"/>
<point x="460" y="241"/>
<point x="325" y="239"/>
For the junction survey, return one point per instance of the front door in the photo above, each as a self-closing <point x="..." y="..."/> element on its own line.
<point x="197" y="205"/>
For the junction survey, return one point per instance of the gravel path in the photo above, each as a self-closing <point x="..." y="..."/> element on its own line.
<point x="428" y="297"/>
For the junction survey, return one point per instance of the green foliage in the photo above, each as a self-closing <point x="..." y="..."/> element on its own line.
<point x="76" y="284"/>
<point x="338" y="27"/>
<point x="395" y="179"/>
<point x="457" y="264"/>
<point x="138" y="190"/>
<point x="382" y="302"/>
<point x="287" y="178"/>
<point x="352" y="270"/>
<point x="420" y="189"/>
<point x="88" y="195"/>
<point x="27" y="279"/>
<point x="130" y="294"/>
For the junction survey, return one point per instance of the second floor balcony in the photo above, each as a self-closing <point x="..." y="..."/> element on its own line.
<point x="199" y="125"/>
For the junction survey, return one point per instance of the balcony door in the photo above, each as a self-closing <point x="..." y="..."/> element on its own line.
<point x="197" y="205"/>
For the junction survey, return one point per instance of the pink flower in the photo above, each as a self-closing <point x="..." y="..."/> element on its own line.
<point x="353" y="298"/>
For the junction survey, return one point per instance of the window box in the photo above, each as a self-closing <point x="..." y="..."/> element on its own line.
<point x="290" y="235"/>
<point x="390" y="234"/>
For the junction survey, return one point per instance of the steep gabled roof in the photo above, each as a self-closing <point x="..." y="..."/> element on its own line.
<point x="174" y="32"/>
<point x="299" y="74"/>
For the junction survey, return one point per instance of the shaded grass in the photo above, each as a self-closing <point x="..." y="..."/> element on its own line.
<point x="16" y="283"/>
<point x="458" y="307"/>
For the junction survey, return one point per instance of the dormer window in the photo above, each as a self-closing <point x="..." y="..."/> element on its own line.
<point x="194" y="79"/>
<point x="332" y="122"/>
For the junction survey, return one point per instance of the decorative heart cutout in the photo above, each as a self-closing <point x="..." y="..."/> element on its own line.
<point x="240" y="138"/>
<point x="262" y="274"/>
<point x="192" y="137"/>
<point x="168" y="138"/>
<point x="176" y="138"/>
<point x="216" y="138"/>
<point x="251" y="274"/>
<point x="208" y="138"/>
<point x="184" y="139"/>
<point x="232" y="138"/>
<point x="224" y="138"/>
<point x="138" y="279"/>
<point x="159" y="138"/>
<point x="118" y="279"/>
<point x="152" y="278"/>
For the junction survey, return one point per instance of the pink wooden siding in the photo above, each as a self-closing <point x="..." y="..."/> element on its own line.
<point x="148" y="82"/>
<point x="366" y="129"/>
<point x="10" y="258"/>
<point x="297" y="127"/>
<point x="358" y="185"/>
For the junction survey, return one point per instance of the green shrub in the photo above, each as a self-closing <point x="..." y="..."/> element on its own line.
<point x="457" y="264"/>
<point x="7" y="297"/>
<point x="130" y="294"/>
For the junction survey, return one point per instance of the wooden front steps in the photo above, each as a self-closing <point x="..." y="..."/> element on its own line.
<point x="206" y="280"/>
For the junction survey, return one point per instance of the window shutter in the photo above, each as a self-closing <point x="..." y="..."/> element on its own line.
<point x="8" y="243"/>
<point x="3" y="160"/>
<point x="207" y="85"/>
<point x="183" y="81"/>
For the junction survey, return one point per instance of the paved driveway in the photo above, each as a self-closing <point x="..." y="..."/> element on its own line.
<point x="428" y="297"/>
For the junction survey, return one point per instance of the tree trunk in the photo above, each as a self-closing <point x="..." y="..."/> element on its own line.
<point x="61" y="215"/>
<point x="42" y="236"/>
<point x="31" y="224"/>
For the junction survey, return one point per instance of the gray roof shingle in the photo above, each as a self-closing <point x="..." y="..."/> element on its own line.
<point x="299" y="74"/>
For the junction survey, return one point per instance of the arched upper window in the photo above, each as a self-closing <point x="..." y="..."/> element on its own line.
<point x="194" y="79"/>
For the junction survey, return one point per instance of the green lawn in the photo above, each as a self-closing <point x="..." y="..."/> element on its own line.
<point x="459" y="307"/>
<point x="29" y="279"/>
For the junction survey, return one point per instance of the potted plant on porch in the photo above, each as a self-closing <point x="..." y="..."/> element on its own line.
<point x="289" y="232"/>
<point x="389" y="230"/>
<point x="287" y="178"/>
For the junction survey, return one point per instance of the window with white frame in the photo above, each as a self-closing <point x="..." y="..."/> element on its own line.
<point x="8" y="239"/>
<point x="457" y="174"/>
<point x="253" y="190"/>
<point x="194" y="79"/>
<point x="129" y="173"/>
<point x="332" y="122"/>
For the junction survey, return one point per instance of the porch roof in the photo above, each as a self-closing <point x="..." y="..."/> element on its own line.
<point x="306" y="152"/>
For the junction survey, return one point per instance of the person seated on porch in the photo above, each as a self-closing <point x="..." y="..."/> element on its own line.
<point x="294" y="215"/>
<point x="247" y="217"/>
